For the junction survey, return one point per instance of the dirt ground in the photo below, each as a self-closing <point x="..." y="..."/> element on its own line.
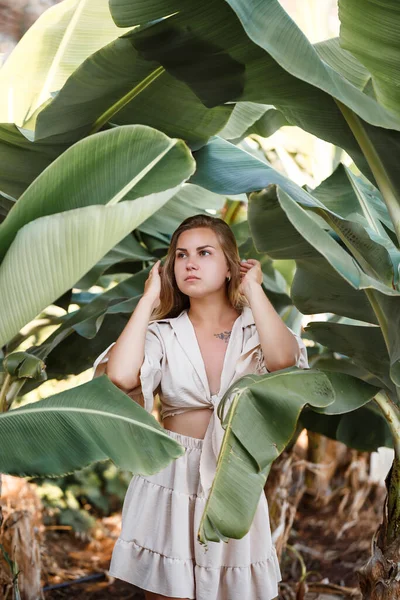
<point x="332" y="559"/>
<point x="325" y="548"/>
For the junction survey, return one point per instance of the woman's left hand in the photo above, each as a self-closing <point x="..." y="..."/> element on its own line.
<point x="250" y="274"/>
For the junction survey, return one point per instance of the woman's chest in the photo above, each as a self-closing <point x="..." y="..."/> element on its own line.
<point x="212" y="348"/>
<point x="194" y="369"/>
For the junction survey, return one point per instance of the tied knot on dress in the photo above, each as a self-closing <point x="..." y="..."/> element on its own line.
<point x="211" y="446"/>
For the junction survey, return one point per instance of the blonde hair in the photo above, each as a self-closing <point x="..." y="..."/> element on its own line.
<point x="172" y="300"/>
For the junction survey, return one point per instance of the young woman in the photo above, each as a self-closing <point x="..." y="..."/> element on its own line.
<point x="211" y="323"/>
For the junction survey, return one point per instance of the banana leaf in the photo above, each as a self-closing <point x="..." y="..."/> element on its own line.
<point x="260" y="415"/>
<point x="90" y="422"/>
<point x="56" y="44"/>
<point x="138" y="92"/>
<point x="77" y="210"/>
<point x="371" y="31"/>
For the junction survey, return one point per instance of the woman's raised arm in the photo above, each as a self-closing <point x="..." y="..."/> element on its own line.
<point x="126" y="356"/>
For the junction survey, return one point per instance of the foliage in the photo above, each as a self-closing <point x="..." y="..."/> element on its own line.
<point x="124" y="178"/>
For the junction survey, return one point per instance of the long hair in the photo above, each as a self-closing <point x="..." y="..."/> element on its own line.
<point x="172" y="300"/>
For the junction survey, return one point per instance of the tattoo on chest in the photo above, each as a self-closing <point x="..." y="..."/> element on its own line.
<point x="224" y="335"/>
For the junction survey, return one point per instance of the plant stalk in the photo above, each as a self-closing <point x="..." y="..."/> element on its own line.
<point x="383" y="323"/>
<point x="382" y="178"/>
<point x="391" y="413"/>
<point x="3" y="407"/>
<point x="376" y="307"/>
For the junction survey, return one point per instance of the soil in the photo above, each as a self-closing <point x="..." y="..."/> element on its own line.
<point x="331" y="542"/>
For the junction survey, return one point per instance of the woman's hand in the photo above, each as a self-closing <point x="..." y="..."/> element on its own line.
<point x="250" y="275"/>
<point x="152" y="285"/>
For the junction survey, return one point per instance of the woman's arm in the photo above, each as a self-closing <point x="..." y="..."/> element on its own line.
<point x="279" y="346"/>
<point x="127" y="354"/>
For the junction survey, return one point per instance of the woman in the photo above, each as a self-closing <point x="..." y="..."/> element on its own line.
<point x="211" y="324"/>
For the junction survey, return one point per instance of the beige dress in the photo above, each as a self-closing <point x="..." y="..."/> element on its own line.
<point x="158" y="548"/>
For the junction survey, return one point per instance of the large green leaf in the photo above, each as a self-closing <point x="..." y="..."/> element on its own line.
<point x="365" y="345"/>
<point x="364" y="236"/>
<point x="120" y="164"/>
<point x="388" y="310"/>
<point x="190" y="200"/>
<point x="90" y="422"/>
<point x="224" y="168"/>
<point x="328" y="361"/>
<point x="287" y="44"/>
<point x="343" y="62"/>
<point x="50" y="253"/>
<point x="273" y="64"/>
<point x="244" y="115"/>
<point x="253" y="439"/>
<point x="318" y="288"/>
<point x="370" y="30"/>
<point x="87" y="320"/>
<point x="271" y="121"/>
<point x="346" y="194"/>
<point x="129" y="250"/>
<point x="380" y="147"/>
<point x="339" y="259"/>
<point x="139" y="91"/>
<point x="363" y="429"/>
<point x="56" y="44"/>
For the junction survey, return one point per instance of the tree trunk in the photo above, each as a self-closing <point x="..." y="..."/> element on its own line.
<point x="21" y="536"/>
<point x="20" y="542"/>
<point x="379" y="578"/>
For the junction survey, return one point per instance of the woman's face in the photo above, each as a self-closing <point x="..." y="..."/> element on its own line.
<point x="199" y="254"/>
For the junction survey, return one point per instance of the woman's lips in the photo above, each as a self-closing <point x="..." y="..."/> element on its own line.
<point x="192" y="278"/>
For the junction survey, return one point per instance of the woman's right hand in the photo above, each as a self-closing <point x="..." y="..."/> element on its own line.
<point x="152" y="285"/>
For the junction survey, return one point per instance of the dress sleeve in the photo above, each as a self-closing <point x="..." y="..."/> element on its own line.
<point x="150" y="371"/>
<point x="252" y="358"/>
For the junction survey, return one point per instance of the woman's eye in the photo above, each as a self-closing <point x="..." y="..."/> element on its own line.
<point x="205" y="251"/>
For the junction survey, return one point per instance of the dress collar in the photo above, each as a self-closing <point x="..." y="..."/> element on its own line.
<point x="246" y="317"/>
<point x="186" y="336"/>
<point x="187" y="339"/>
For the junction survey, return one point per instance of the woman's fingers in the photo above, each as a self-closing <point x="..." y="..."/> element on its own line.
<point x="154" y="268"/>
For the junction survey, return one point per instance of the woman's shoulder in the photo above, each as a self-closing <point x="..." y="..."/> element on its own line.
<point x="165" y="323"/>
<point x="169" y="323"/>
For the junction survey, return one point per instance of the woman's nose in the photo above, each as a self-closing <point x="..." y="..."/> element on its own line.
<point x="191" y="264"/>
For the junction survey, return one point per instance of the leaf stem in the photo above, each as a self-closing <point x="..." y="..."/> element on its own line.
<point x="383" y="323"/>
<point x="376" y="307"/>
<point x="201" y="537"/>
<point x="119" y="104"/>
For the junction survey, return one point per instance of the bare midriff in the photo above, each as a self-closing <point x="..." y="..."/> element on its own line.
<point x="193" y="423"/>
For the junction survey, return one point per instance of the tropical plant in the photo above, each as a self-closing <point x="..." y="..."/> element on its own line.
<point x="221" y="67"/>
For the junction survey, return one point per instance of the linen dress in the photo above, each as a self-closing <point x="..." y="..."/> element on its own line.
<point x="158" y="549"/>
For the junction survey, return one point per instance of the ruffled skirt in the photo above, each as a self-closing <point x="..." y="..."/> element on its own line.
<point x="158" y="549"/>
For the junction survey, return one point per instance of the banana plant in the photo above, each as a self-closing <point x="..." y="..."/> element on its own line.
<point x="79" y="208"/>
<point x="269" y="406"/>
<point x="236" y="52"/>
<point x="84" y="203"/>
<point x="344" y="241"/>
